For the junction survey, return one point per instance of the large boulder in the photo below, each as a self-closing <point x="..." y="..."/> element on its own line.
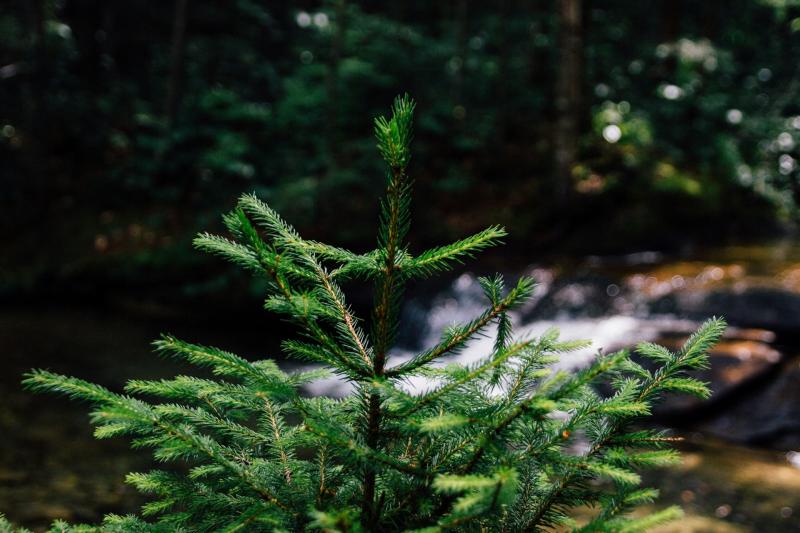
<point x="765" y="307"/>
<point x="741" y="361"/>
<point x="767" y="416"/>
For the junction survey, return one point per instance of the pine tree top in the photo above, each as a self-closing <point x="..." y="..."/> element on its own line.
<point x="490" y="446"/>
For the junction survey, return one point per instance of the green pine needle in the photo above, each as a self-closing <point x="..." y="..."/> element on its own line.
<point x="489" y="446"/>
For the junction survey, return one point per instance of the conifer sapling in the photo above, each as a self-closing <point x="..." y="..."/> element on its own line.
<point x="490" y="446"/>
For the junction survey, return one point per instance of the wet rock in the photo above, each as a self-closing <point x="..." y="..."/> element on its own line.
<point x="766" y="296"/>
<point x="767" y="417"/>
<point x="770" y="308"/>
<point x="748" y="288"/>
<point x="739" y="361"/>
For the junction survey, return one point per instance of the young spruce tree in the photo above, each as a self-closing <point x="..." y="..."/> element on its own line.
<point x="502" y="444"/>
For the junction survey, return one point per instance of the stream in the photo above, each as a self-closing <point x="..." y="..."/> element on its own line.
<point x="741" y="456"/>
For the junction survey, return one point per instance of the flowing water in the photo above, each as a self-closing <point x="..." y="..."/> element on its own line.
<point x="741" y="466"/>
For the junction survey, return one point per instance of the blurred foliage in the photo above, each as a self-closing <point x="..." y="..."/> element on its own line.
<point x="127" y="124"/>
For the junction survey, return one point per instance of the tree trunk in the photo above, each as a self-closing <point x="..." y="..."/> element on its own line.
<point x="671" y="13"/>
<point x="504" y="52"/>
<point x="35" y="98"/>
<point x="35" y="12"/>
<point x="568" y="96"/>
<point x="460" y="35"/>
<point x="332" y="82"/>
<point x="178" y="54"/>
